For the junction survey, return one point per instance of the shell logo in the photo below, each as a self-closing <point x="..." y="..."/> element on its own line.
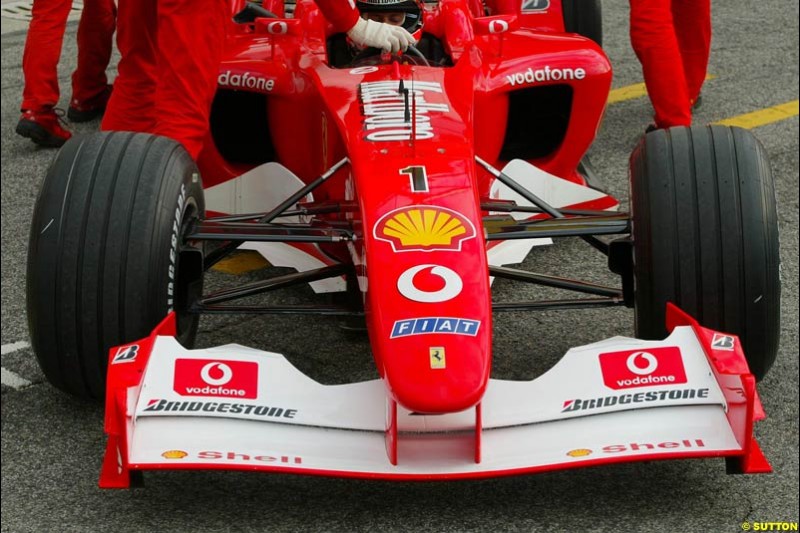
<point x="580" y="452"/>
<point x="174" y="454"/>
<point x="424" y="228"/>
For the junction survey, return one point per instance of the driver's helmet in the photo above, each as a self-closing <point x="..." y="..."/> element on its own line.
<point x="405" y="13"/>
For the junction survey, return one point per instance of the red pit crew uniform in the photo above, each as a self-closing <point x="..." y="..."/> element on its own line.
<point x="171" y="50"/>
<point x="672" y="40"/>
<point x="43" y="50"/>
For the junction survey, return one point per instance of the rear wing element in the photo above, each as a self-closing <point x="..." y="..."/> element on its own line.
<point x="619" y="400"/>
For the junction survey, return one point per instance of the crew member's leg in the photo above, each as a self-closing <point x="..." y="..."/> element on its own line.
<point x="39" y="121"/>
<point x="653" y="39"/>
<point x="191" y="36"/>
<point x="693" y="30"/>
<point x="42" y="51"/>
<point x="132" y="106"/>
<point x="90" y="89"/>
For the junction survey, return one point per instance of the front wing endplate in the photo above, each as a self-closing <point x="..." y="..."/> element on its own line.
<point x="260" y="413"/>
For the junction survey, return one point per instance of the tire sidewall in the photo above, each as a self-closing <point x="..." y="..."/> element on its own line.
<point x="184" y="192"/>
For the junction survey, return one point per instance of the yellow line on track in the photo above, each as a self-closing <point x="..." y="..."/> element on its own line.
<point x="763" y="116"/>
<point x="631" y="92"/>
<point x="241" y="263"/>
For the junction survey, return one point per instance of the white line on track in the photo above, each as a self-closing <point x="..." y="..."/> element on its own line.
<point x="13" y="347"/>
<point x="7" y="377"/>
<point x="12" y="380"/>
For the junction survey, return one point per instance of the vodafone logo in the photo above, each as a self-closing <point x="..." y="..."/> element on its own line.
<point x="430" y="284"/>
<point x="638" y="368"/>
<point x="498" y="26"/>
<point x="245" y="80"/>
<point x="224" y="371"/>
<point x="216" y="378"/>
<point x="650" y="363"/>
<point x="278" y="28"/>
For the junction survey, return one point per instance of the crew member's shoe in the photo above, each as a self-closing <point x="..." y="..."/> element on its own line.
<point x="89" y="109"/>
<point x="698" y="102"/>
<point x="44" y="127"/>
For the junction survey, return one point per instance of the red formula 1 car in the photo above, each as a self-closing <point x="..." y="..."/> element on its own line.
<point x="408" y="182"/>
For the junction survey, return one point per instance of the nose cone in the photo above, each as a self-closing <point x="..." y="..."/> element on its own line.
<point x="440" y="374"/>
<point x="434" y="340"/>
<point x="429" y="303"/>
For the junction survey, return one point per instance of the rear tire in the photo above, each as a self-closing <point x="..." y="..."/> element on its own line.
<point x="705" y="236"/>
<point x="106" y="261"/>
<point x="584" y="17"/>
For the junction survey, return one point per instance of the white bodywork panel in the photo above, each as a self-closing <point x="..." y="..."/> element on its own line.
<point x="526" y="424"/>
<point x="258" y="191"/>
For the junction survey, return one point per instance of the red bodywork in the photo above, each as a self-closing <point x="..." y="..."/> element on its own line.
<point x="318" y="115"/>
<point x="412" y="182"/>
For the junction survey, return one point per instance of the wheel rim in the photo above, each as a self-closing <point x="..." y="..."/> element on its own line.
<point x="188" y="277"/>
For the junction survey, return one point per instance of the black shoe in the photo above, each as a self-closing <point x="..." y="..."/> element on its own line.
<point x="76" y="115"/>
<point x="44" y="127"/>
<point x="697" y="103"/>
<point x="650" y="128"/>
<point x="91" y="109"/>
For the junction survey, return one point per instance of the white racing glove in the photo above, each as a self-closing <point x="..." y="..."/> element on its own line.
<point x="379" y="35"/>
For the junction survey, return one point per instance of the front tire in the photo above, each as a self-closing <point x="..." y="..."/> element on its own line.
<point x="584" y="17"/>
<point x="705" y="236"/>
<point x="106" y="261"/>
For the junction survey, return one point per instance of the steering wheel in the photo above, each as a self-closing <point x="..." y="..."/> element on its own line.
<point x="375" y="56"/>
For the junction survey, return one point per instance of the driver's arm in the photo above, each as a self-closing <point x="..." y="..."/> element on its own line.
<point x="345" y="18"/>
<point x="341" y="13"/>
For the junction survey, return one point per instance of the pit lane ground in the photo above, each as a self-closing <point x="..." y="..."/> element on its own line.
<point x="52" y="444"/>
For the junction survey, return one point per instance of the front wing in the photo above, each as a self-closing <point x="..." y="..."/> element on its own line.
<point x="619" y="400"/>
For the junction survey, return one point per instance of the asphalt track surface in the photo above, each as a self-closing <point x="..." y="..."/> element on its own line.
<point x="52" y="444"/>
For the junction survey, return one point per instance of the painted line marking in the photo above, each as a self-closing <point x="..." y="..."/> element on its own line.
<point x="763" y="116"/>
<point x="7" y="377"/>
<point x="13" y="347"/>
<point x="12" y="380"/>
<point x="631" y="92"/>
<point x="241" y="263"/>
